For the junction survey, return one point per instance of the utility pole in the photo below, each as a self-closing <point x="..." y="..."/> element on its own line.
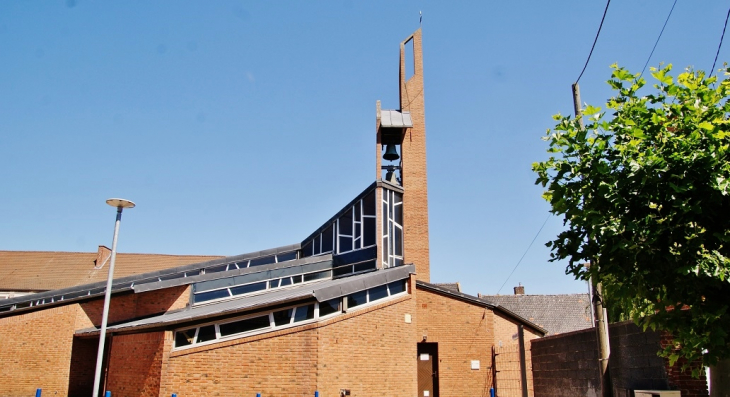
<point x="601" y="317"/>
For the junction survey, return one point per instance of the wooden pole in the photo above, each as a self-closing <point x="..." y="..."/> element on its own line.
<point x="601" y="323"/>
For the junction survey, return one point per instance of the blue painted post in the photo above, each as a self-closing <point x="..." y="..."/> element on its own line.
<point x="491" y="392"/>
<point x="37" y="392"/>
<point x="258" y="394"/>
<point x="108" y="394"/>
<point x="316" y="394"/>
<point x="174" y="394"/>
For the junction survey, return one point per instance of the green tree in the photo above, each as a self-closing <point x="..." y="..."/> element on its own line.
<point x="644" y="194"/>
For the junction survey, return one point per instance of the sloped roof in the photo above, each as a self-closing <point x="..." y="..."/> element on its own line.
<point x="321" y="291"/>
<point x="481" y="302"/>
<point x="456" y="287"/>
<point x="556" y="313"/>
<point x="44" y="271"/>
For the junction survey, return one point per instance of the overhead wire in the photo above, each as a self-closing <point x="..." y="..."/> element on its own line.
<point x="657" y="39"/>
<point x="525" y="253"/>
<point x="594" y="41"/>
<point x="720" y="45"/>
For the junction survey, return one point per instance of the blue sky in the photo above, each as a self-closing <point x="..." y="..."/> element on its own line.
<point x="239" y="126"/>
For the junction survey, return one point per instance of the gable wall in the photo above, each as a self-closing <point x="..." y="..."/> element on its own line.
<point x="464" y="332"/>
<point x="35" y="351"/>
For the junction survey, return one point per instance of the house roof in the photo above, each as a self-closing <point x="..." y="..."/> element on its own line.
<point x="556" y="313"/>
<point x="480" y="302"/>
<point x="456" y="287"/>
<point x="44" y="271"/>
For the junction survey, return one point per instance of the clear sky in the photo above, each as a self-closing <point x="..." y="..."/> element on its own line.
<point x="239" y="126"/>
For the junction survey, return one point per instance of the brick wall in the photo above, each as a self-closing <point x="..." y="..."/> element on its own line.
<point x="566" y="364"/>
<point x="369" y="351"/>
<point x="135" y="362"/>
<point x="35" y="351"/>
<point x="506" y="340"/>
<point x="415" y="198"/>
<point x="464" y="332"/>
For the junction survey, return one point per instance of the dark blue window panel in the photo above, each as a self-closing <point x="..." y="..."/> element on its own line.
<point x="357" y="299"/>
<point x="245" y="289"/>
<point x="316" y="246"/>
<point x="342" y="270"/>
<point x="378" y="292"/>
<point x="282" y="317"/>
<point x="327" y="239"/>
<point x="398" y="214"/>
<point x="304" y="313"/>
<point x="370" y="234"/>
<point x="329" y="307"/>
<point x="398" y="241"/>
<point x="345" y="244"/>
<point x="346" y="223"/>
<point x="262" y="261"/>
<point x="206" y="333"/>
<point x="285" y="281"/>
<point x="355" y="256"/>
<point x="206" y="296"/>
<point x="246" y="325"/>
<point x="361" y="267"/>
<point x="317" y="276"/>
<point x="297" y="279"/>
<point x="287" y="256"/>
<point x="216" y="269"/>
<point x="307" y="250"/>
<point x="397" y="286"/>
<point x="368" y="204"/>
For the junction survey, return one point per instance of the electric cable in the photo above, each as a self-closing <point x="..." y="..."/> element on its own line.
<point x="712" y="71"/>
<point x="657" y="39"/>
<point x="594" y="42"/>
<point x="523" y="255"/>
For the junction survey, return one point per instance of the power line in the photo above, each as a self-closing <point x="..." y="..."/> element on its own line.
<point x="720" y="45"/>
<point x="657" y="39"/>
<point x="594" y="41"/>
<point x="523" y="255"/>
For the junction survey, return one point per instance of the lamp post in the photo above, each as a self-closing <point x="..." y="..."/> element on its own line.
<point x="120" y="204"/>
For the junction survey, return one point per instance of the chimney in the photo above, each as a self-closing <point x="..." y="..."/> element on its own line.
<point x="102" y="256"/>
<point x="520" y="289"/>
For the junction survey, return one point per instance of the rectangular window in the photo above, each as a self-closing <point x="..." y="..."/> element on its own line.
<point x="262" y="261"/>
<point x="206" y="333"/>
<point x="327" y="239"/>
<point x="184" y="337"/>
<point x="283" y="317"/>
<point x="397" y="286"/>
<point x="317" y="276"/>
<point x="357" y="299"/>
<point x="304" y="313"/>
<point x="287" y="256"/>
<point x="329" y="307"/>
<point x="207" y="296"/>
<point x="248" y="288"/>
<point x="249" y="324"/>
<point x="379" y="292"/>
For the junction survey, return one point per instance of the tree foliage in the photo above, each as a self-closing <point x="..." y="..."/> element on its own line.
<point x="645" y="197"/>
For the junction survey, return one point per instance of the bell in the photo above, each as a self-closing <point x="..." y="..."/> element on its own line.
<point x="390" y="153"/>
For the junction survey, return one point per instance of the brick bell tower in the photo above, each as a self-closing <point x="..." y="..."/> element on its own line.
<point x="401" y="155"/>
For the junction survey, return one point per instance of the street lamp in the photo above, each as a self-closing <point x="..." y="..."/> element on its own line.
<point x="120" y="204"/>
